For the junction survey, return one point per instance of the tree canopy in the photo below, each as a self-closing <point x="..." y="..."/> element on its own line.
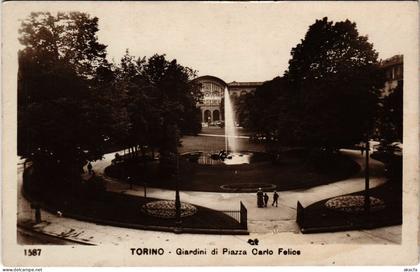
<point x="71" y="100"/>
<point x="159" y="100"/>
<point x="61" y="123"/>
<point x="390" y="116"/>
<point x="69" y="37"/>
<point x="335" y="74"/>
<point x="328" y="96"/>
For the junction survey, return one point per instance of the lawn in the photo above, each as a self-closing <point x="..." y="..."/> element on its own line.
<point x="318" y="218"/>
<point x="110" y="208"/>
<point x="293" y="169"/>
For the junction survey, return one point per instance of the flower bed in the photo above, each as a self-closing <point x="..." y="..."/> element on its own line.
<point x="354" y="203"/>
<point x="166" y="209"/>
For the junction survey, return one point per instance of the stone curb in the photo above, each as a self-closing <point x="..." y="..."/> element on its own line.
<point x="54" y="235"/>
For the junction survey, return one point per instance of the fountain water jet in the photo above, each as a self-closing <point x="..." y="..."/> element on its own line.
<point x="231" y="155"/>
<point x="230" y="129"/>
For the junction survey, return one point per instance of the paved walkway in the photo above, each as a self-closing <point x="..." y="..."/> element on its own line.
<point x="262" y="223"/>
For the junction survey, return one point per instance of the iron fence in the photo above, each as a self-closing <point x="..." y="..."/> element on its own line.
<point x="241" y="215"/>
<point x="300" y="214"/>
<point x="244" y="216"/>
<point x="234" y="214"/>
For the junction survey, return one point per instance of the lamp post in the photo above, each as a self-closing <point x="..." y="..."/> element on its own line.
<point x="367" y="199"/>
<point x="178" y="221"/>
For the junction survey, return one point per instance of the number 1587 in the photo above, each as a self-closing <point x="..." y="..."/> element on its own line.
<point x="32" y="252"/>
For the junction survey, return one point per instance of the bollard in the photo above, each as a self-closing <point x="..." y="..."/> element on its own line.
<point x="37" y="215"/>
<point x="37" y="212"/>
<point x="145" y="190"/>
<point x="130" y="182"/>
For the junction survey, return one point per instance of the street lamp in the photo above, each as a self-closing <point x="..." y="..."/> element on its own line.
<point x="178" y="221"/>
<point x="367" y="199"/>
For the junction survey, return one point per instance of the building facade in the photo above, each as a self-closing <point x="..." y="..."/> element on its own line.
<point x="394" y="73"/>
<point x="213" y="89"/>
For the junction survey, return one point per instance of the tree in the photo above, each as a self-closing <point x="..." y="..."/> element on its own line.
<point x="70" y="37"/>
<point x="390" y="116"/>
<point x="267" y="111"/>
<point x="130" y="103"/>
<point x="159" y="101"/>
<point x="335" y="80"/>
<point x="62" y="76"/>
<point x="175" y="98"/>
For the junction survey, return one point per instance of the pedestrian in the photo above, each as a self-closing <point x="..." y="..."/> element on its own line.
<point x="260" y="200"/>
<point x="89" y="167"/>
<point x="265" y="200"/>
<point x="275" y="198"/>
<point x="130" y="181"/>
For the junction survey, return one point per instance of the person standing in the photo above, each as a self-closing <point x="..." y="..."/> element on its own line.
<point x="275" y="198"/>
<point x="260" y="200"/>
<point x="265" y="200"/>
<point x="89" y="167"/>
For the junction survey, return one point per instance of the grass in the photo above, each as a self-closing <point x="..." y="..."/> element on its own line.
<point x="318" y="218"/>
<point x="295" y="169"/>
<point x="111" y="208"/>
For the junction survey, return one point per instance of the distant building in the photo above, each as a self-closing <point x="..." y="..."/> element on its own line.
<point x="213" y="88"/>
<point x="213" y="91"/>
<point x="385" y="127"/>
<point x="394" y="73"/>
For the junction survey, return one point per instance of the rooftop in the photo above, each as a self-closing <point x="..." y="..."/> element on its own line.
<point x="244" y="84"/>
<point x="397" y="59"/>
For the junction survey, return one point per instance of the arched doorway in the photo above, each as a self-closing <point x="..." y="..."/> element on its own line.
<point x="200" y="115"/>
<point x="216" y="115"/>
<point x="207" y="116"/>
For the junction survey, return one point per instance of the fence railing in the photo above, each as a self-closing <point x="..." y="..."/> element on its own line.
<point x="300" y="214"/>
<point x="244" y="216"/>
<point x="240" y="216"/>
<point x="234" y="214"/>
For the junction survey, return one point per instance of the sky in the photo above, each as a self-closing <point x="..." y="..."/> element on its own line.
<point x="234" y="41"/>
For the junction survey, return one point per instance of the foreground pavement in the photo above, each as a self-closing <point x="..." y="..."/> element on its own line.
<point x="262" y="222"/>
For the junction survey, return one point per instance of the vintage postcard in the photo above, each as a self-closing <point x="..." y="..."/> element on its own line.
<point x="210" y="133"/>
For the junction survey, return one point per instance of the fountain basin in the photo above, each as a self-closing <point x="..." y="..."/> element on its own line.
<point x="233" y="158"/>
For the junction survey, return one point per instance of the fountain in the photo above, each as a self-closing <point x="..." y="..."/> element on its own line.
<point x="231" y="154"/>
<point x="227" y="163"/>
<point x="231" y="143"/>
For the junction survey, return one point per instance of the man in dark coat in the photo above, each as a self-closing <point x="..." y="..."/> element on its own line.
<point x="260" y="200"/>
<point x="275" y="198"/>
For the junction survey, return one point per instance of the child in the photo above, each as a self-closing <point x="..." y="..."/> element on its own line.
<point x="265" y="199"/>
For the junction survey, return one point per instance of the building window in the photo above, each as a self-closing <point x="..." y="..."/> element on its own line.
<point x="207" y="116"/>
<point x="216" y="115"/>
